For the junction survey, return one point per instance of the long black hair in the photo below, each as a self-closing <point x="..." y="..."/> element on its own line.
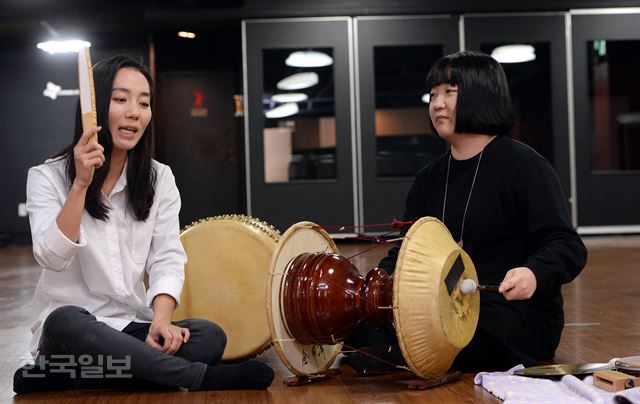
<point x="484" y="101"/>
<point x="140" y="174"/>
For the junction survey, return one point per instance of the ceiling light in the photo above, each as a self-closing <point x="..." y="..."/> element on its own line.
<point x="186" y="34"/>
<point x="63" y="46"/>
<point x="298" y="81"/>
<point x="289" y="97"/>
<point x="308" y="59"/>
<point x="283" y="110"/>
<point x="514" y="53"/>
<point x="426" y="97"/>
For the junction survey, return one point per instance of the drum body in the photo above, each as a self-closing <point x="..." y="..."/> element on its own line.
<point x="226" y="278"/>
<point x="299" y="357"/>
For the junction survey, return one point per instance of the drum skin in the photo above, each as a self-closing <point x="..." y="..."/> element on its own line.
<point x="226" y="280"/>
<point x="432" y="324"/>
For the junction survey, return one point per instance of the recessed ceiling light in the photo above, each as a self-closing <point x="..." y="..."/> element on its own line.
<point x="514" y="53"/>
<point x="298" y="81"/>
<point x="283" y="110"/>
<point x="186" y="34"/>
<point x="289" y="97"/>
<point x="308" y="59"/>
<point x="73" y="45"/>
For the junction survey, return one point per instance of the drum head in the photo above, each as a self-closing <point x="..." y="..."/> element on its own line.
<point x="433" y="319"/>
<point x="301" y="359"/>
<point x="226" y="279"/>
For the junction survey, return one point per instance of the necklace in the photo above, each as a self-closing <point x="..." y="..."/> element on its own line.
<point x="446" y="187"/>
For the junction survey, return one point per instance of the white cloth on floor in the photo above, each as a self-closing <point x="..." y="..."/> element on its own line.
<point x="519" y="389"/>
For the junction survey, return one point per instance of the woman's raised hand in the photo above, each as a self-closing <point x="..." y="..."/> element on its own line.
<point x="88" y="156"/>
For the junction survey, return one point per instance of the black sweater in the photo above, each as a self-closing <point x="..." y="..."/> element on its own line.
<point x="517" y="216"/>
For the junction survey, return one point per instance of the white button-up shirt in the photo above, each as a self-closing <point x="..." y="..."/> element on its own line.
<point x="103" y="272"/>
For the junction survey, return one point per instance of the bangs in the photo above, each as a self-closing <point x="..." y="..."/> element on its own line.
<point x="443" y="72"/>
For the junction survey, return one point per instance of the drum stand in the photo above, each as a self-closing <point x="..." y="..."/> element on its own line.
<point x="306" y="379"/>
<point x="423" y="384"/>
<point x="414" y="384"/>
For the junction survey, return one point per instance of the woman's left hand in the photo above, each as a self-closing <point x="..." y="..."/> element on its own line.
<point x="519" y="284"/>
<point x="167" y="338"/>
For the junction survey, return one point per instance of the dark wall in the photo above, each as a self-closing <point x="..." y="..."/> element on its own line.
<point x="211" y="180"/>
<point x="208" y="11"/>
<point x="34" y="127"/>
<point x="200" y="139"/>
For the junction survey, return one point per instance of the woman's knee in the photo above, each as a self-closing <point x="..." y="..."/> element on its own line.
<point x="210" y="336"/>
<point x="62" y="319"/>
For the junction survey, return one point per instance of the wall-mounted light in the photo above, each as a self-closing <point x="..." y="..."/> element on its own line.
<point x="514" y="53"/>
<point x="298" y="81"/>
<point x="186" y="34"/>
<point x="426" y="97"/>
<point x="54" y="91"/>
<point x="308" y="59"/>
<point x="63" y="46"/>
<point x="283" y="110"/>
<point x="289" y="97"/>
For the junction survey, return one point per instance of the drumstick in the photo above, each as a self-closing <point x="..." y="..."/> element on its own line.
<point x="87" y="92"/>
<point x="489" y="288"/>
<point x="469" y="286"/>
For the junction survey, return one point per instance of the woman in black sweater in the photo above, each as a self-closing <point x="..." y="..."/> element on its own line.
<point x="504" y="205"/>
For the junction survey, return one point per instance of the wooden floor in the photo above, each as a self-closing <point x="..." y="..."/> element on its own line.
<point x="602" y="316"/>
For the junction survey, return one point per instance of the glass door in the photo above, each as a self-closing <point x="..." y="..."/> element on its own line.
<point x="532" y="51"/>
<point x="394" y="55"/>
<point x="298" y="121"/>
<point x="606" y="62"/>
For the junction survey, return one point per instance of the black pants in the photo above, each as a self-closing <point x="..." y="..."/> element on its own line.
<point x="72" y="334"/>
<point x="504" y="338"/>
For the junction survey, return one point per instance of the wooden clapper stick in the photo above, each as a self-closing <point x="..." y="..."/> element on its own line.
<point x="87" y="92"/>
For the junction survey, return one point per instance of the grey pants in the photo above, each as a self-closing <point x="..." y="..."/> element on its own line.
<point x="72" y="334"/>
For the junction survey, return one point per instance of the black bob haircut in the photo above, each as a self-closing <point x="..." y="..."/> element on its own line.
<point x="140" y="173"/>
<point x="484" y="101"/>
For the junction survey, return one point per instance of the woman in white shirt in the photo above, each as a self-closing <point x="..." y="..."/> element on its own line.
<point x="101" y="214"/>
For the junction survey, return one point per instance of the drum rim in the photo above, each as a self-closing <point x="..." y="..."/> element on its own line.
<point x="255" y="222"/>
